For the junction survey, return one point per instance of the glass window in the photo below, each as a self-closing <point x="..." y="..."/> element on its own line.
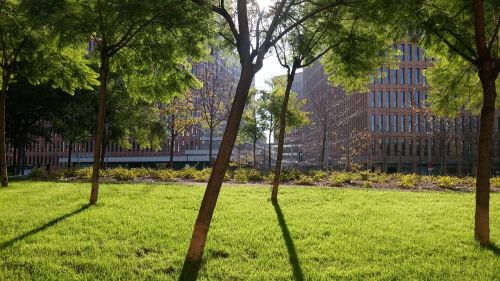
<point x="395" y="123"/>
<point x="424" y="78"/>
<point x="395" y="76"/>
<point x="380" y="99"/>
<point x="410" y="52"/>
<point x="388" y="123"/>
<point x="388" y="146"/>
<point x="403" y="124"/>
<point x="417" y="99"/>
<point x="402" y="75"/>
<point x="388" y="76"/>
<point x="395" y="99"/>
<point x="410" y="76"/>
<point x="388" y="99"/>
<point x="396" y="148"/>
<point x="409" y="123"/>
<point x="373" y="122"/>
<point x="409" y="102"/>
<point x="380" y="123"/>
<point x="417" y="75"/>
<point x="372" y="79"/>
<point x="410" y="147"/>
<point x="403" y="147"/>
<point x="380" y="77"/>
<point x="417" y="55"/>
<point x="402" y="52"/>
<point x="372" y="99"/>
<point x="402" y="99"/>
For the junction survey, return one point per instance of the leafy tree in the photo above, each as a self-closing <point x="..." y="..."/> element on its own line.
<point x="46" y="57"/>
<point x="74" y="118"/>
<point x="179" y="115"/>
<point x="252" y="127"/>
<point x="466" y="32"/>
<point x="253" y="32"/>
<point x="29" y="111"/>
<point x="149" y="42"/>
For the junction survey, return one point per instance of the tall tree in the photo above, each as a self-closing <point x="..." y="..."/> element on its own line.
<point x="468" y="32"/>
<point x="252" y="32"/>
<point x="148" y="41"/>
<point x="179" y="115"/>
<point x="46" y="57"/>
<point x="252" y="127"/>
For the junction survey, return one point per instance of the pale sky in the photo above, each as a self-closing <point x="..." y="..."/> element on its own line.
<point x="270" y="68"/>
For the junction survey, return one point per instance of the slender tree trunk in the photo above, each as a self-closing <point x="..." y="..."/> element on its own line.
<point x="19" y="161"/>
<point x="281" y="137"/>
<point x="70" y="152"/>
<point x="103" y="79"/>
<point x="172" y="145"/>
<point x="254" y="155"/>
<point x="269" y="150"/>
<point x="210" y="145"/>
<point x="323" y="150"/>
<point x="102" y="161"/>
<point x="200" y="231"/>
<point x="487" y="75"/>
<point x="3" y="148"/>
<point x="14" y="159"/>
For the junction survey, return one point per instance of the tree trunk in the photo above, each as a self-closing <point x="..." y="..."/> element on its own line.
<point x="14" y="159"/>
<point x="269" y="150"/>
<point x="281" y="137"/>
<point x="70" y="152"/>
<point x="102" y="161"/>
<point x="172" y="145"/>
<point x="254" y="155"/>
<point x="487" y="75"/>
<point x="210" y="144"/>
<point x="103" y="79"/>
<point x="200" y="231"/>
<point x="323" y="150"/>
<point x="19" y="161"/>
<point x="3" y="148"/>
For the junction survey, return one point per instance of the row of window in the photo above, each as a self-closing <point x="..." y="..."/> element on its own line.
<point x="407" y="52"/>
<point x="409" y="123"/>
<point x="401" y="99"/>
<point x="416" y="147"/>
<point x="410" y="76"/>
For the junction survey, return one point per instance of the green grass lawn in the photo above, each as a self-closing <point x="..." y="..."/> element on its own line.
<point x="142" y="231"/>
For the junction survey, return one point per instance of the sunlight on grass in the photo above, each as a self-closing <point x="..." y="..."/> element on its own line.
<point x="141" y="231"/>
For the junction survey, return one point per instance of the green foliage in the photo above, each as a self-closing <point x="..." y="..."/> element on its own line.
<point x="38" y="174"/>
<point x="408" y="181"/>
<point x="340" y="178"/>
<point x="240" y="176"/>
<point x="121" y="174"/>
<point x="166" y="175"/>
<point x="289" y="175"/>
<point x="319" y="175"/>
<point x="203" y="175"/>
<point x="188" y="173"/>
<point x="380" y="178"/>
<point x="304" y="180"/>
<point x="84" y="173"/>
<point x="495" y="182"/>
<point x="446" y="181"/>
<point x="365" y="175"/>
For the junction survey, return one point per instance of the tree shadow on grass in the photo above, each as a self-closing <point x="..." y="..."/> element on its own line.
<point x="190" y="271"/>
<point x="292" y="253"/>
<point x="34" y="231"/>
<point x="493" y="248"/>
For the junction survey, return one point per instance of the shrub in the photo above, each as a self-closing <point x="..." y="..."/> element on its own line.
<point x="56" y="174"/>
<point x="366" y="184"/>
<point x="446" y="181"/>
<point x="254" y="175"/>
<point x="364" y="175"/>
<point x="408" y="181"/>
<point x="494" y="182"/>
<point x="203" y="175"/>
<point x="240" y="176"/>
<point x="121" y="174"/>
<point x="143" y="172"/>
<point x="188" y="173"/>
<point x="318" y="175"/>
<point x="37" y="174"/>
<point x="164" y="175"/>
<point x="304" y="180"/>
<point x="380" y="178"/>
<point x="84" y="173"/>
<point x="289" y="175"/>
<point x="339" y="179"/>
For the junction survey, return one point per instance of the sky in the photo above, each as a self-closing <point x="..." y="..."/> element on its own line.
<point x="270" y="68"/>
